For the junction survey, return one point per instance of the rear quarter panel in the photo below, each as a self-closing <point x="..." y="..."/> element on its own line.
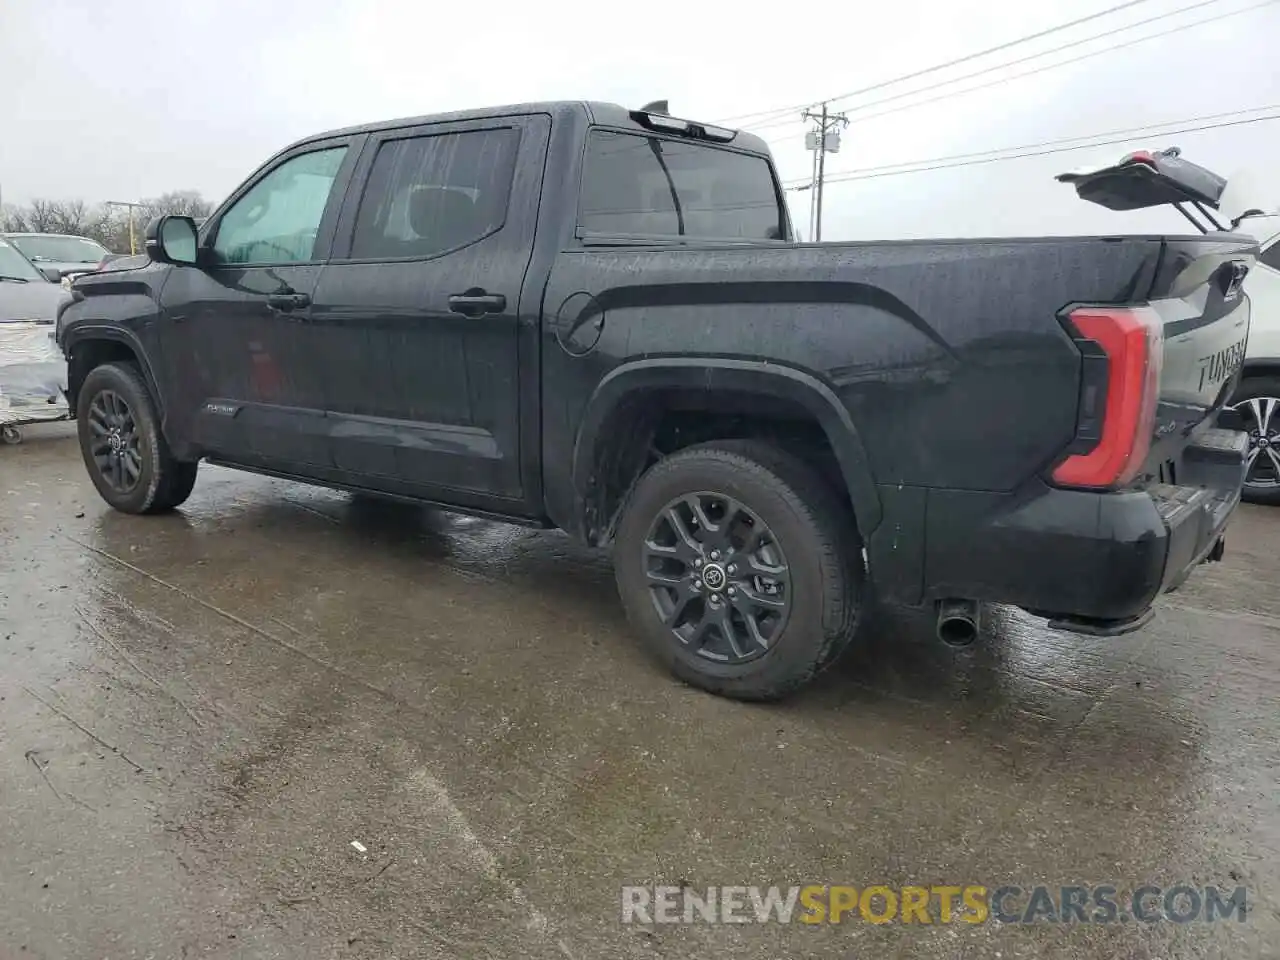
<point x="947" y="355"/>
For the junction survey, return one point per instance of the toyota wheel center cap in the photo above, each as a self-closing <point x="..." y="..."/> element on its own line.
<point x="713" y="576"/>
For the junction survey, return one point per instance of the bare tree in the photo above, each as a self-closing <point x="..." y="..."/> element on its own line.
<point x="14" y="220"/>
<point x="187" y="203"/>
<point x="109" y="225"/>
<point x="69" y="216"/>
<point x="41" y="216"/>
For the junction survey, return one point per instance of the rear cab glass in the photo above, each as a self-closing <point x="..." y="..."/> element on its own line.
<point x="640" y="185"/>
<point x="428" y="195"/>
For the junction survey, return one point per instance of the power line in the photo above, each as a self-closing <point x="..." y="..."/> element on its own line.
<point x="1049" y="66"/>
<point x="1034" y="56"/>
<point x="869" y="173"/>
<point x="1050" y="143"/>
<point x="950" y="63"/>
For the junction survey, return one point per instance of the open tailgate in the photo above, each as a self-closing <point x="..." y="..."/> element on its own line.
<point x="1195" y="306"/>
<point x="1148" y="179"/>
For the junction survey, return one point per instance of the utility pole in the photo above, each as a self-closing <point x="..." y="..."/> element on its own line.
<point x="813" y="196"/>
<point x="822" y="140"/>
<point x="133" y="243"/>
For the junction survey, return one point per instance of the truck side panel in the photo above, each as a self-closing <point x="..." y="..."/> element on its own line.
<point x="947" y="355"/>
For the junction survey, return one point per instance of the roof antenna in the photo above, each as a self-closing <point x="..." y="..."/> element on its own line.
<point x="657" y="106"/>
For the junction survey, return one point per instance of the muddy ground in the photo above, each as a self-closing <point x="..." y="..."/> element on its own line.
<point x="200" y="712"/>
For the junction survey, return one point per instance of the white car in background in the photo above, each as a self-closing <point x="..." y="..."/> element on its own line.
<point x="1258" y="398"/>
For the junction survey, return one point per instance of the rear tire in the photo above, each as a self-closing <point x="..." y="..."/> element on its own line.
<point x="123" y="448"/>
<point x="1257" y="400"/>
<point x="802" y="534"/>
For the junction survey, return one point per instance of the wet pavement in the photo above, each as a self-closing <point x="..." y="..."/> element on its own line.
<point x="199" y="713"/>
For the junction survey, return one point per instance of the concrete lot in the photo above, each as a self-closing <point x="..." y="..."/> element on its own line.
<point x="199" y="713"/>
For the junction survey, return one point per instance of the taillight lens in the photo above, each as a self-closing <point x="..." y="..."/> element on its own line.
<point x="1132" y="339"/>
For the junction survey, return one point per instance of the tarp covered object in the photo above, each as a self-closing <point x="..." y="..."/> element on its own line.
<point x="33" y="374"/>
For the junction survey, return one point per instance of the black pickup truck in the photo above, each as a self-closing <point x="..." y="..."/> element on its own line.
<point x="581" y="316"/>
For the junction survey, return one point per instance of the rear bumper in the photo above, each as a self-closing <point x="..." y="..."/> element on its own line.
<point x="1090" y="562"/>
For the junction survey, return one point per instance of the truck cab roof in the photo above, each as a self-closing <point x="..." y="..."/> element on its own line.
<point x="594" y="112"/>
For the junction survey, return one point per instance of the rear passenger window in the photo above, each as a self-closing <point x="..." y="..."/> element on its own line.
<point x="651" y="186"/>
<point x="429" y="195"/>
<point x="1271" y="256"/>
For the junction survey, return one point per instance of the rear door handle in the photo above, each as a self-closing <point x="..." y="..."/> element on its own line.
<point x="288" y="301"/>
<point x="477" y="302"/>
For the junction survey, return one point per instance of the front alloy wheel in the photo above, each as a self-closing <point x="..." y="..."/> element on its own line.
<point x="124" y="450"/>
<point x="114" y="441"/>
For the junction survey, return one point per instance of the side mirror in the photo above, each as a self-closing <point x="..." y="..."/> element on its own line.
<point x="172" y="239"/>
<point x="52" y="274"/>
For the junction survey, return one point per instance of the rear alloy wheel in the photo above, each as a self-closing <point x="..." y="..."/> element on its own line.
<point x="740" y="568"/>
<point x="123" y="448"/>
<point x="717" y="577"/>
<point x="1258" y="403"/>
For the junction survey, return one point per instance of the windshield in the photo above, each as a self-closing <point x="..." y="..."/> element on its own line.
<point x="651" y="186"/>
<point x="60" y="249"/>
<point x="14" y="266"/>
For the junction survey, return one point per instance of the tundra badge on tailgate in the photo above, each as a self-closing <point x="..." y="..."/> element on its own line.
<point x="1217" y="367"/>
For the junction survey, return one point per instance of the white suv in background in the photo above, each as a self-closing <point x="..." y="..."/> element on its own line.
<point x="1258" y="398"/>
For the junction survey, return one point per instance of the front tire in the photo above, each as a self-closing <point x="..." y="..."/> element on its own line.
<point x="123" y="448"/>
<point x="740" y="568"/>
<point x="1257" y="400"/>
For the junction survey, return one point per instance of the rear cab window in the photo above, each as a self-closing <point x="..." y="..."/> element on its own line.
<point x="429" y="195"/>
<point x="634" y="184"/>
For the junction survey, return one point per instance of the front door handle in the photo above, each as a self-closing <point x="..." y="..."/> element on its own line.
<point x="477" y="302"/>
<point x="288" y="301"/>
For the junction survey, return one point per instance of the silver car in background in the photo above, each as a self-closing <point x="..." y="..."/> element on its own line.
<point x="68" y="254"/>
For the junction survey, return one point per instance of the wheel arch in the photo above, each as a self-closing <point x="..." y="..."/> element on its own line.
<point x="1260" y="367"/>
<point x="605" y="422"/>
<point x="90" y="347"/>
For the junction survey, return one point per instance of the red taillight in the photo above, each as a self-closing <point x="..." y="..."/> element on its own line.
<point x="1132" y="339"/>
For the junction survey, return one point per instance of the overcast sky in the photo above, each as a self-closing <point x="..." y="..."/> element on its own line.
<point x="130" y="98"/>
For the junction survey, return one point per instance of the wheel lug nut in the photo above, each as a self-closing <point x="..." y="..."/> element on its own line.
<point x="697" y="584"/>
<point x="733" y="591"/>
<point x="698" y="563"/>
<point x="733" y="568"/>
<point x="715" y="554"/>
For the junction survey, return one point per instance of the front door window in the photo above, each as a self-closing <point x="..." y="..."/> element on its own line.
<point x="278" y="219"/>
